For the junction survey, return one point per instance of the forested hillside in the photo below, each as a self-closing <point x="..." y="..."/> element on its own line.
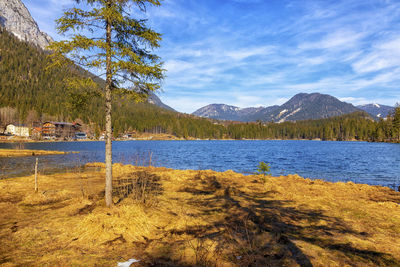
<point x="28" y="87"/>
<point x="28" y="93"/>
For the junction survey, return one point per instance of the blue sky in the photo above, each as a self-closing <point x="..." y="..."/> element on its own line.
<point x="262" y="52"/>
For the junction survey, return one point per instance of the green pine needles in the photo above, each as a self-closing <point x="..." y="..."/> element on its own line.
<point x="125" y="47"/>
<point x="263" y="170"/>
<point x="105" y="37"/>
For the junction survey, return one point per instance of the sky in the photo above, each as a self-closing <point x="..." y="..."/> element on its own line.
<point x="250" y="53"/>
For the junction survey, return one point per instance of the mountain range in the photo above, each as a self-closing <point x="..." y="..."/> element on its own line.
<point x="376" y="110"/>
<point x="300" y="107"/>
<point x="15" y="18"/>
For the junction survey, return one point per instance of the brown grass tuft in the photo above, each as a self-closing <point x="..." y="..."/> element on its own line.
<point x="27" y="152"/>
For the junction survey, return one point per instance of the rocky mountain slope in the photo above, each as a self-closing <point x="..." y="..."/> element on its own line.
<point x="15" y="18"/>
<point x="226" y="112"/>
<point x="155" y="100"/>
<point x="310" y="106"/>
<point x="376" y="110"/>
<point x="300" y="107"/>
<point x="219" y="112"/>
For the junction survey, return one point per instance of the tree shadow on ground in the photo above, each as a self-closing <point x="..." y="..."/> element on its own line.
<point x="142" y="186"/>
<point x="258" y="231"/>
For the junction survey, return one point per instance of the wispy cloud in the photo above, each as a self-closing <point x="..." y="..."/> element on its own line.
<point x="251" y="53"/>
<point x="383" y="55"/>
<point x="342" y="39"/>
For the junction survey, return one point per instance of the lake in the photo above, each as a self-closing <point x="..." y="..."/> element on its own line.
<point x="360" y="162"/>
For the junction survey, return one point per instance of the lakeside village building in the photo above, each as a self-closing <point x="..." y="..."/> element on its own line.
<point x="48" y="130"/>
<point x="67" y="130"/>
<point x="17" y="130"/>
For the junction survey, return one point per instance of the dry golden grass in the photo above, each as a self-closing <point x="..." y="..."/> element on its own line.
<point x="26" y="152"/>
<point x="204" y="218"/>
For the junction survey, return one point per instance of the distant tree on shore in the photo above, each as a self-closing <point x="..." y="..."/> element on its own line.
<point x="104" y="36"/>
<point x="396" y="123"/>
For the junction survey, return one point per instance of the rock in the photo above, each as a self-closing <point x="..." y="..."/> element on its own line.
<point x="15" y="18"/>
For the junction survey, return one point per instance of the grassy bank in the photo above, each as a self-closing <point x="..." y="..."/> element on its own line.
<point x="205" y="218"/>
<point x="28" y="152"/>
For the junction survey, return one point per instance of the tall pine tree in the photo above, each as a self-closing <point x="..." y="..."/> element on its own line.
<point x="104" y="36"/>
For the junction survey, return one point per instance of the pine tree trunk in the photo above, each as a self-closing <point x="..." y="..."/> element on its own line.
<point x="108" y="189"/>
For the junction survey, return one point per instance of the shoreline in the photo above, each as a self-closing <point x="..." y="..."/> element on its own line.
<point x="182" y="139"/>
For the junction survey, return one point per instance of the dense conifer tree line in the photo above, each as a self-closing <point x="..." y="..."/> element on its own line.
<point x="354" y="126"/>
<point x="26" y="86"/>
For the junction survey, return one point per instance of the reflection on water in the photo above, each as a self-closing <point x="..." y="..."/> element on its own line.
<point x="362" y="162"/>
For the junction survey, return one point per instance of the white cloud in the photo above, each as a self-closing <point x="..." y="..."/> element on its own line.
<point x="362" y="101"/>
<point x="354" y="100"/>
<point x="384" y="55"/>
<point x="178" y="66"/>
<point x="187" y="104"/>
<point x="243" y="53"/>
<point x="244" y="101"/>
<point x="340" y="39"/>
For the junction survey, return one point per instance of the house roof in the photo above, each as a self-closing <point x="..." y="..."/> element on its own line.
<point x="17" y="125"/>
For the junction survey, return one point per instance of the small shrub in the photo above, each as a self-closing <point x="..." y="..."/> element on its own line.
<point x="263" y="170"/>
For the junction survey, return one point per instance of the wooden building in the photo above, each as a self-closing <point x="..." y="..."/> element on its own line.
<point x="36" y="133"/>
<point x="66" y="130"/>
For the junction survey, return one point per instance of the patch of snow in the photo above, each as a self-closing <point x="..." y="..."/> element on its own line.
<point x="294" y="112"/>
<point x="282" y="112"/>
<point x="290" y="114"/>
<point x="376" y="105"/>
<point x="379" y="115"/>
<point x="127" y="263"/>
<point x="227" y="108"/>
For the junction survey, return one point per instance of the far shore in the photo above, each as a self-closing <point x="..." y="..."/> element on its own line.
<point x="166" y="139"/>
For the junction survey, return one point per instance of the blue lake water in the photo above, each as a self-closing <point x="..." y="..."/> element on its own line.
<point x="360" y="162"/>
